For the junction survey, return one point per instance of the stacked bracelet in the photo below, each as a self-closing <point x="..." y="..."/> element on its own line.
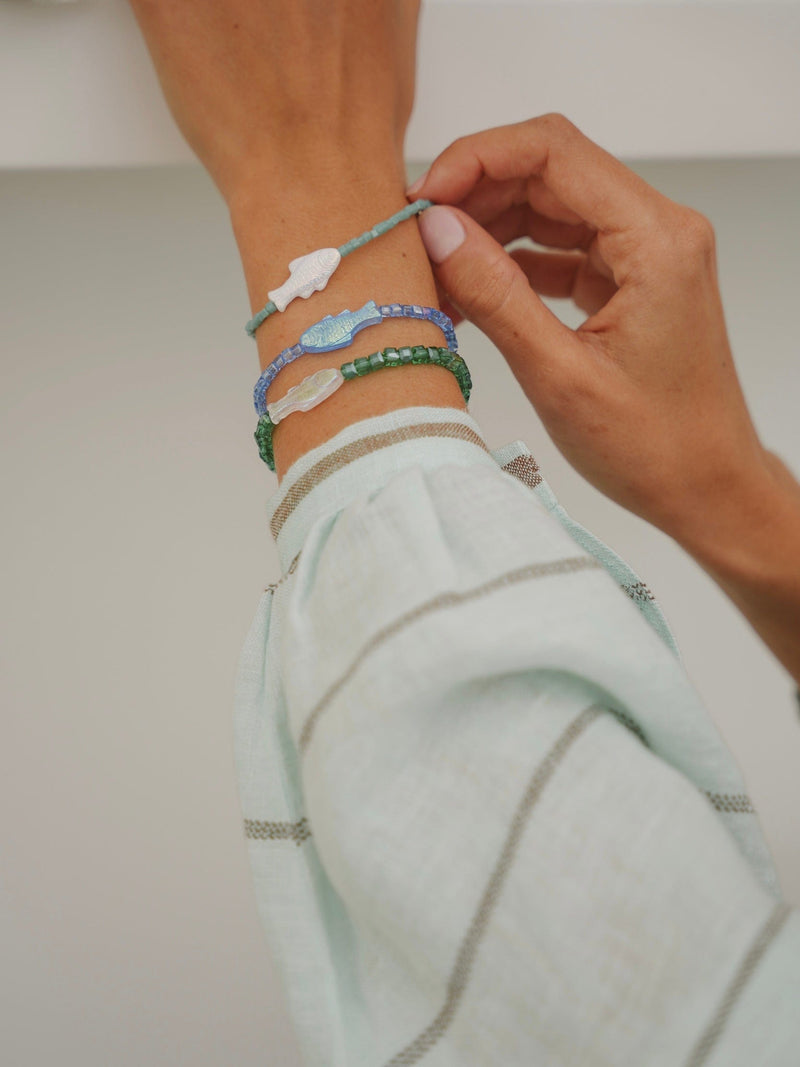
<point x="310" y="273"/>
<point x="317" y="387"/>
<point x="338" y="331"/>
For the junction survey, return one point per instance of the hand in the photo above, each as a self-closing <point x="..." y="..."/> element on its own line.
<point x="643" y="398"/>
<point x="251" y="83"/>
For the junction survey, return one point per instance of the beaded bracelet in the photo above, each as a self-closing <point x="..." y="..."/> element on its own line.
<point x="310" y="273"/>
<point x="338" y="331"/>
<point x="317" y="387"/>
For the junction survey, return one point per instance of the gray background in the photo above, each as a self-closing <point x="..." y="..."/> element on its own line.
<point x="135" y="549"/>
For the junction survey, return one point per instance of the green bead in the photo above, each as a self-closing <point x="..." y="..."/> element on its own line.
<point x="406" y="355"/>
<point x="392" y="357"/>
<point x="419" y="354"/>
<point x="263" y="436"/>
<point x="362" y="365"/>
<point x="377" y="359"/>
<point x="348" y="371"/>
<point x="445" y="357"/>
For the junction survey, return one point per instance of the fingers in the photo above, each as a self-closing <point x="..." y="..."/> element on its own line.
<point x="565" y="277"/>
<point x="571" y="178"/>
<point x="492" y="289"/>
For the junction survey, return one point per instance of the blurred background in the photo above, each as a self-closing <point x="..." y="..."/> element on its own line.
<point x="135" y="545"/>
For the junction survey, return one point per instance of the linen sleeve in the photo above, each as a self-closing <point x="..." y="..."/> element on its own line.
<point x="507" y="782"/>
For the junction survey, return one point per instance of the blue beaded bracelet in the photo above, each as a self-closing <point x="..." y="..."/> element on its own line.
<point x="310" y="273"/>
<point x="337" y="331"/>
<point x="388" y="357"/>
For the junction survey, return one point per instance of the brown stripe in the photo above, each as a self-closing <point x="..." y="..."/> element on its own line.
<point x="638" y="591"/>
<point x="468" y="949"/>
<point x="277" y="831"/>
<point x="443" y="600"/>
<point x="526" y="469"/>
<point x="766" y="936"/>
<point x="335" y="461"/>
<point x="735" y="802"/>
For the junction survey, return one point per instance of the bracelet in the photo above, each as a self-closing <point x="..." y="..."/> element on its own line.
<point x="317" y="387"/>
<point x="310" y="273"/>
<point x="337" y="331"/>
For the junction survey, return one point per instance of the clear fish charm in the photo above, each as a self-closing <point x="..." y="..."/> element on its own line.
<point x="337" y="331"/>
<point x="309" y="274"/>
<point x="310" y="392"/>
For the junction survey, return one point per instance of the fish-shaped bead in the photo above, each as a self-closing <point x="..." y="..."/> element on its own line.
<point x="309" y="274"/>
<point x="310" y="392"/>
<point x="337" y="331"/>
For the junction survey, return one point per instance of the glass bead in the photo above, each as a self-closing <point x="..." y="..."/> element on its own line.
<point x="416" y="309"/>
<point x="377" y="359"/>
<point x="392" y="357"/>
<point x="396" y="310"/>
<point x="348" y="371"/>
<point x="405" y="355"/>
<point x="419" y="354"/>
<point x="361" y="365"/>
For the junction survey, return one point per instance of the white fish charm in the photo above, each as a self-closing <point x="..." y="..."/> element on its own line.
<point x="310" y="392"/>
<point x="309" y="274"/>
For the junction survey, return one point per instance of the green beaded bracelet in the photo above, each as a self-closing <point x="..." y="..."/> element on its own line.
<point x="387" y="357"/>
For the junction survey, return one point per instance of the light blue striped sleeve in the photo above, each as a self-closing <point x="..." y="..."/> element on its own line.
<point x="488" y="818"/>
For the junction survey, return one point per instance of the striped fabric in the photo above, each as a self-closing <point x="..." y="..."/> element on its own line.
<point x="489" y="820"/>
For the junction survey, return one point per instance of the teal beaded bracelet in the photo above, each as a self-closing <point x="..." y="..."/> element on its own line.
<point x="387" y="357"/>
<point x="310" y="273"/>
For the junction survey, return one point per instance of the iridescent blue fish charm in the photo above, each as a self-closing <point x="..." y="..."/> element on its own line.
<point x="337" y="331"/>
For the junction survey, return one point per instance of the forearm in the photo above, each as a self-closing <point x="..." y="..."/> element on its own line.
<point x="292" y="210"/>
<point x="750" y="544"/>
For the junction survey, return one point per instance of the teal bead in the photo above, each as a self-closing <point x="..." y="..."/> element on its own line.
<point x="419" y="354"/>
<point x="348" y="371"/>
<point x="362" y="365"/>
<point x="405" y="354"/>
<point x="377" y="360"/>
<point x="392" y="357"/>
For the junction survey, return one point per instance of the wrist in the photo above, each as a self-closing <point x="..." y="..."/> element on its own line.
<point x="275" y="220"/>
<point x="306" y="173"/>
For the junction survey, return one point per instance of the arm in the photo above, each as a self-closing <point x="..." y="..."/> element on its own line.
<point x="748" y="541"/>
<point x="299" y="113"/>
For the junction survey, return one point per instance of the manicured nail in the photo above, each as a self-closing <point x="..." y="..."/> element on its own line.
<point x="415" y="188"/>
<point x="441" y="231"/>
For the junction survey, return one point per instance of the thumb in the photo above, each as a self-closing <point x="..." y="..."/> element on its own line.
<point x="491" y="289"/>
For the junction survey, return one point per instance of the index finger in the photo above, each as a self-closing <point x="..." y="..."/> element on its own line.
<point x="593" y="185"/>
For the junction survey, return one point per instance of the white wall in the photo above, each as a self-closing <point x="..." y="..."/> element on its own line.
<point x="135" y="549"/>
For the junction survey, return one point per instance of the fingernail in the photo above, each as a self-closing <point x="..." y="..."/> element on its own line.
<point x="441" y="231"/>
<point x="415" y="188"/>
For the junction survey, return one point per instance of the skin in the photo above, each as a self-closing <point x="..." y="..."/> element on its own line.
<point x="299" y="113"/>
